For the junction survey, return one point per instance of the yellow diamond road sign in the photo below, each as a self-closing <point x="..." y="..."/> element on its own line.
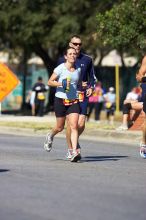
<point x="8" y="81"/>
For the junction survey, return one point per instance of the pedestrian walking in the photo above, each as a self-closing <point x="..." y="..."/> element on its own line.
<point x="65" y="77"/>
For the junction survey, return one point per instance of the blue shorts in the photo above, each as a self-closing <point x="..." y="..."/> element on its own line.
<point x="83" y="106"/>
<point x="144" y="104"/>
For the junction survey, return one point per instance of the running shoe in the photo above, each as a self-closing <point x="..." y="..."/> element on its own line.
<point x="78" y="148"/>
<point x="142" y="150"/>
<point x="69" y="154"/>
<point x="122" y="128"/>
<point x="48" y="143"/>
<point x="75" y="157"/>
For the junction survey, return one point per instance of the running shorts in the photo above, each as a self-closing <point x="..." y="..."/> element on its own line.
<point x="61" y="110"/>
<point x="83" y="106"/>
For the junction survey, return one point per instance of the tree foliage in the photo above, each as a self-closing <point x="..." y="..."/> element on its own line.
<point x="44" y="26"/>
<point x="124" y="26"/>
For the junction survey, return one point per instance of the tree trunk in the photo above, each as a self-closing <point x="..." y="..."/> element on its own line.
<point x="24" y="70"/>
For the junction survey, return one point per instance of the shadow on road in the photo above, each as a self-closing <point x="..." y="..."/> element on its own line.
<point x="95" y="158"/>
<point x="4" y="170"/>
<point x="101" y="158"/>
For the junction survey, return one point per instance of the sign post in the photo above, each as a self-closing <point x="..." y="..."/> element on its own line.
<point x="117" y="88"/>
<point x="8" y="81"/>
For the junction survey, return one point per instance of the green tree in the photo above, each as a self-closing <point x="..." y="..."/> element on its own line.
<point x="124" y="26"/>
<point x="44" y="26"/>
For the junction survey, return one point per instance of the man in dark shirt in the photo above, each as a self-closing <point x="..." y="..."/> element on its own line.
<point x="39" y="88"/>
<point x="85" y="89"/>
<point x="141" y="77"/>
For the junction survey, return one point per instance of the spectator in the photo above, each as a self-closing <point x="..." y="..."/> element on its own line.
<point x="91" y="104"/>
<point x="32" y="102"/>
<point x="132" y="95"/>
<point x="110" y="100"/>
<point x="39" y="88"/>
<point x="131" y="107"/>
<point x="96" y="102"/>
<point x="99" y="104"/>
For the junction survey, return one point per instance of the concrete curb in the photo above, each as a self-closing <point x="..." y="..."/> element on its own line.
<point x="130" y="137"/>
<point x="95" y="133"/>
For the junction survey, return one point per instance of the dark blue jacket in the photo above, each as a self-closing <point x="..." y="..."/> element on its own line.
<point x="84" y="62"/>
<point x="143" y="94"/>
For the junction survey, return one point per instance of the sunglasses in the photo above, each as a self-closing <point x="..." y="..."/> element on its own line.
<point x="76" y="44"/>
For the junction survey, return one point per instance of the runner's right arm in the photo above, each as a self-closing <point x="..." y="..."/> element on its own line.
<point x="142" y="71"/>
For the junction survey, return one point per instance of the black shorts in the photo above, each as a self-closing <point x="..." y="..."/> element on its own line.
<point x="61" y="110"/>
<point x="111" y="110"/>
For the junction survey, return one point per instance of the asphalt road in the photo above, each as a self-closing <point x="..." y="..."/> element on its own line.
<point x="108" y="183"/>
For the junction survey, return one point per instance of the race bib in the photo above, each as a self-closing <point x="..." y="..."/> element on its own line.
<point x="108" y="105"/>
<point x="40" y="96"/>
<point x="68" y="102"/>
<point x="81" y="96"/>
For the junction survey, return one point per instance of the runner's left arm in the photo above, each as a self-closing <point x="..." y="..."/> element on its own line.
<point x="142" y="71"/>
<point x="91" y="79"/>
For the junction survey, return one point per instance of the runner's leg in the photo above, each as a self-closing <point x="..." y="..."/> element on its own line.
<point x="73" y="122"/>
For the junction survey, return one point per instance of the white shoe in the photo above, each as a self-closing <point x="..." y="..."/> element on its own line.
<point x="97" y="121"/>
<point x="122" y="128"/>
<point x="142" y="151"/>
<point x="75" y="157"/>
<point x="48" y="143"/>
<point x="69" y="154"/>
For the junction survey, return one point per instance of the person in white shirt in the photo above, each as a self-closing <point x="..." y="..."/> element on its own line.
<point x="133" y="95"/>
<point x="110" y="100"/>
<point x="131" y="106"/>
